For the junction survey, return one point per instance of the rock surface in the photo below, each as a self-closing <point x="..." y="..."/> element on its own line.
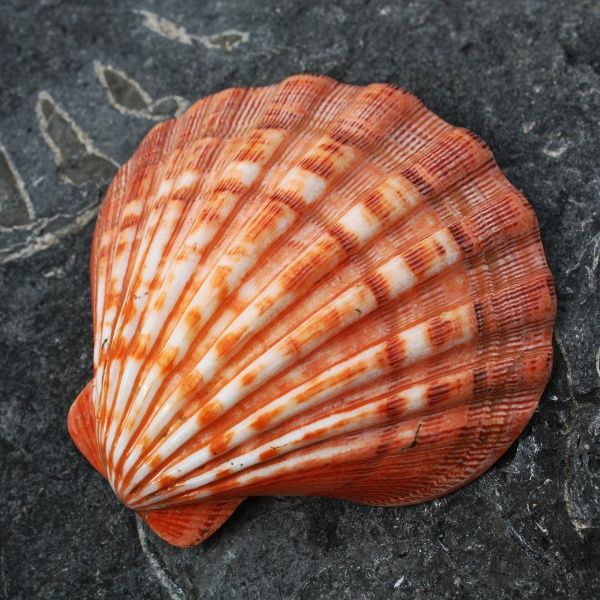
<point x="80" y="83"/>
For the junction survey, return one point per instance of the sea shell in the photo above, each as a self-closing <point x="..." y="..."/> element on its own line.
<point x="309" y="289"/>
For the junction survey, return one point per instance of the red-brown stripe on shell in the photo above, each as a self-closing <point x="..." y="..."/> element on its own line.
<point x="312" y="288"/>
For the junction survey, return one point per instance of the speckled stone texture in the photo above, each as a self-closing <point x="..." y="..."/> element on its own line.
<point x="80" y="83"/>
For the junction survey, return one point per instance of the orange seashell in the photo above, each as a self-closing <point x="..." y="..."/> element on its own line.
<point x="311" y="289"/>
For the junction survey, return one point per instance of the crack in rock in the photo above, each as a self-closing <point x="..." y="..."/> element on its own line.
<point x="526" y="546"/>
<point x="309" y="580"/>
<point x="162" y="574"/>
<point x="128" y="97"/>
<point x="582" y="481"/>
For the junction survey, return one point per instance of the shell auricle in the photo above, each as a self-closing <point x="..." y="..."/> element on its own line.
<point x="309" y="288"/>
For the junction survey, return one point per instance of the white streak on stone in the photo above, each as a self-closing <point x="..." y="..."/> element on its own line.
<point x="164" y="27"/>
<point x="145" y="113"/>
<point x="163" y="576"/>
<point x="39" y="242"/>
<point x="18" y="182"/>
<point x="79" y="133"/>
<point x="101" y="69"/>
<point x="225" y="40"/>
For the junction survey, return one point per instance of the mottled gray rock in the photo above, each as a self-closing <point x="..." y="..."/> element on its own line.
<point x="524" y="75"/>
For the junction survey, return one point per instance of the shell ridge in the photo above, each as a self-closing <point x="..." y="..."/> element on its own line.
<point x="425" y="150"/>
<point x="489" y="339"/>
<point x="114" y="205"/>
<point x="443" y="348"/>
<point x="157" y="174"/>
<point x="97" y="266"/>
<point x="274" y="157"/>
<point x="434" y="234"/>
<point x="446" y="347"/>
<point x="474" y="441"/>
<point x="382" y="231"/>
<point x="373" y="408"/>
<point x="140" y="157"/>
<point x="174" y="238"/>
<point x="107" y="330"/>
<point x="172" y="252"/>
<point x="138" y="249"/>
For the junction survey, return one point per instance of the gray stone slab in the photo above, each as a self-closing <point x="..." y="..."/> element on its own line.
<point x="81" y="82"/>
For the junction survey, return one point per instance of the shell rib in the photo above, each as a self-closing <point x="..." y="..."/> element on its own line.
<point x="316" y="289"/>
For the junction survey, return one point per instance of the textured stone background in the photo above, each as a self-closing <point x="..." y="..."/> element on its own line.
<point x="80" y="83"/>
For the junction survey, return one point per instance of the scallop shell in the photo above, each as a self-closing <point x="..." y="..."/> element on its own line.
<point x="309" y="289"/>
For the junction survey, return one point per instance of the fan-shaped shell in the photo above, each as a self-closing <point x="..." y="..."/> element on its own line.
<point x="312" y="288"/>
